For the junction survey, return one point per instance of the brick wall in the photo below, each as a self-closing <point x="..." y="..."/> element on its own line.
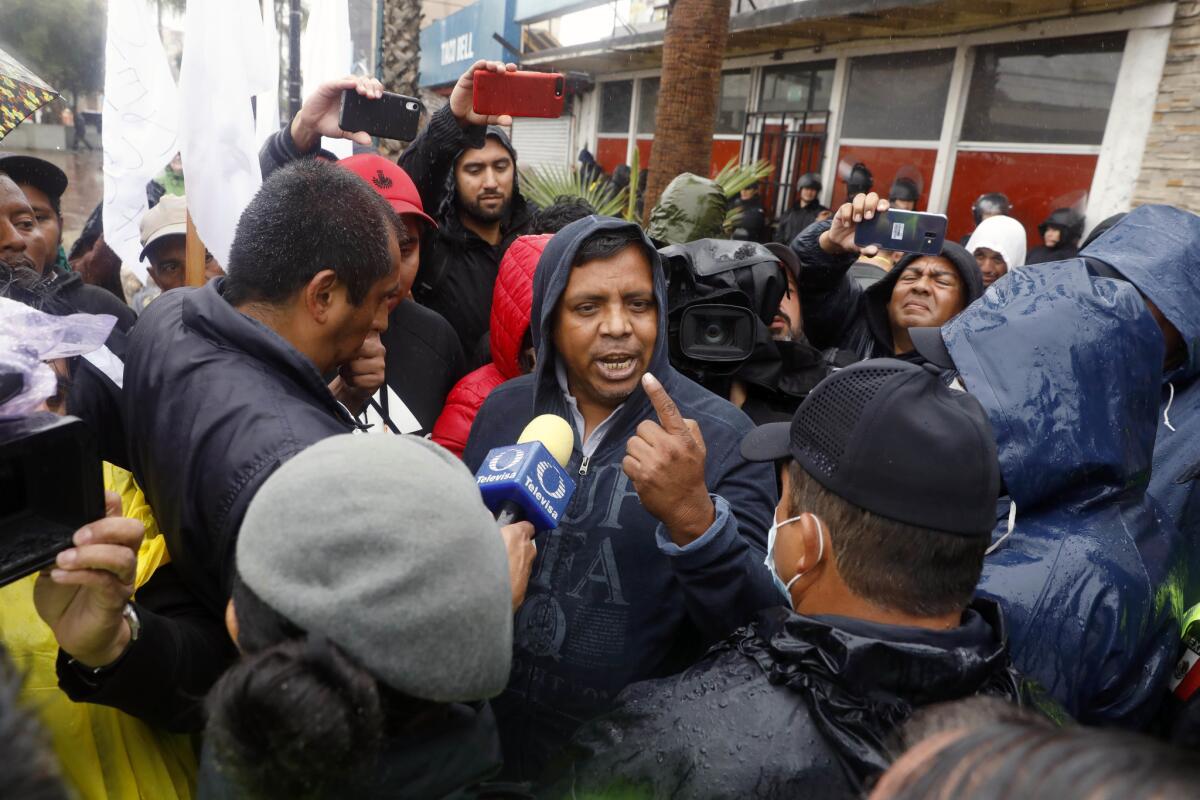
<point x="1171" y="165"/>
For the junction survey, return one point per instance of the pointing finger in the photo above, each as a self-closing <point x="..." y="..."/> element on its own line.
<point x="668" y="412"/>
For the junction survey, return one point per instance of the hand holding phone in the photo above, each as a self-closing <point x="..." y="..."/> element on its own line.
<point x="518" y="94"/>
<point x="839" y="239"/>
<point x="462" y="96"/>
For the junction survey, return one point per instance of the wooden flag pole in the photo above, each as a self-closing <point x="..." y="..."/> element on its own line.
<point x="193" y="271"/>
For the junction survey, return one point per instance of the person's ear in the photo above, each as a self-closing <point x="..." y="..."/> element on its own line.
<point x="809" y="549"/>
<point x="319" y="294"/>
<point x="231" y="621"/>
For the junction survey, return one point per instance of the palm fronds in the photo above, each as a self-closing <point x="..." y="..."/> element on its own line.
<point x="734" y="177"/>
<point x="546" y="183"/>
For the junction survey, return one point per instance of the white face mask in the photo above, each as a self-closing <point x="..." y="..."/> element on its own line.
<point x="769" y="561"/>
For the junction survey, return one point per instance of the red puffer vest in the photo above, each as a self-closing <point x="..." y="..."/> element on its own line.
<point x="511" y="301"/>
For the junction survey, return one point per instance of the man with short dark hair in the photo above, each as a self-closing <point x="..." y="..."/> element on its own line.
<point x="223" y="384"/>
<point x="43" y="184"/>
<point x="466" y="170"/>
<point x="922" y="290"/>
<point x="889" y="489"/>
<point x="659" y="553"/>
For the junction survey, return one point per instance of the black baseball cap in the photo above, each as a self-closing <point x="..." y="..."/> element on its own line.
<point x="787" y="258"/>
<point x="890" y="437"/>
<point x="34" y="171"/>
<point x="929" y="345"/>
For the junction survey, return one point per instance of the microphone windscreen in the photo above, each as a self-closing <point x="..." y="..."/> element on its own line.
<point x="554" y="433"/>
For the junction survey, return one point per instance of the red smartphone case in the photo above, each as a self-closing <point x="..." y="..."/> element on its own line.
<point x="519" y="94"/>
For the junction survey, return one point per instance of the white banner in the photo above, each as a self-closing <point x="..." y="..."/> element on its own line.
<point x="266" y="104"/>
<point x="140" y="123"/>
<point x="222" y="69"/>
<point x="325" y="54"/>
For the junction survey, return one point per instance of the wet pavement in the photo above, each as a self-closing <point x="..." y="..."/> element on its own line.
<point x="85" y="184"/>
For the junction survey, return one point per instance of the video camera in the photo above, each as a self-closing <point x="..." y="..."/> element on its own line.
<point x="50" y="486"/>
<point x="721" y="298"/>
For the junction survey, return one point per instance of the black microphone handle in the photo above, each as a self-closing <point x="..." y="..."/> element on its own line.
<point x="509" y="513"/>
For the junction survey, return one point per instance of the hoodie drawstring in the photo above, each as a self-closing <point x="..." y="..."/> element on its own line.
<point x="1167" y="410"/>
<point x="1012" y="523"/>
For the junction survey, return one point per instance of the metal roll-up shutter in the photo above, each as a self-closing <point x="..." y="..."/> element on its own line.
<point x="542" y="141"/>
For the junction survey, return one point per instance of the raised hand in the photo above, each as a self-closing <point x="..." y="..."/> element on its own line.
<point x="839" y="239"/>
<point x="319" y="115"/>
<point x="462" y="97"/>
<point x="665" y="461"/>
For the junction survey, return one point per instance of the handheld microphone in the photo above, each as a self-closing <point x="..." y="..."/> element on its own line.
<point x="527" y="481"/>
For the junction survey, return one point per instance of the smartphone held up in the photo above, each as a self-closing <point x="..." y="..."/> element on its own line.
<point x="393" y="116"/>
<point x="905" y="231"/>
<point x="519" y="94"/>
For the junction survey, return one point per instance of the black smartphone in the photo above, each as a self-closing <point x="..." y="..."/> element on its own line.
<point x="50" y="486"/>
<point x="906" y="231"/>
<point x="393" y="116"/>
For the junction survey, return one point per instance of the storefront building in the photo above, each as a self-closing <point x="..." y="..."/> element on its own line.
<point x="1051" y="102"/>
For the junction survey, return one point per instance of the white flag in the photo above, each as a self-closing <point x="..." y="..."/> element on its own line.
<point x="222" y="69"/>
<point x="266" y="104"/>
<point x="141" y="119"/>
<point x="325" y="55"/>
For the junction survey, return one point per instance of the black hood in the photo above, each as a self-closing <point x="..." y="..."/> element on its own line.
<point x="518" y="211"/>
<point x="862" y="679"/>
<point x="880" y="294"/>
<point x="549" y="283"/>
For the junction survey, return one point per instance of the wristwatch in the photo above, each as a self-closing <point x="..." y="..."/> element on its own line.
<point x="135" y="623"/>
<point x="135" y="630"/>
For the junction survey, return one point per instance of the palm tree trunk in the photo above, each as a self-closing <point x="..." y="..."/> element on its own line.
<point x="401" y="52"/>
<point x="693" y="50"/>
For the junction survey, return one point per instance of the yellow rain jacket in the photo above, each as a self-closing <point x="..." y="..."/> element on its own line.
<point x="104" y="753"/>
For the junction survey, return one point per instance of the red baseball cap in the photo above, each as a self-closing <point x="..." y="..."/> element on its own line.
<point x="391" y="182"/>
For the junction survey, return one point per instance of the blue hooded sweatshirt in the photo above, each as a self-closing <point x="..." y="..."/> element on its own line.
<point x="611" y="599"/>
<point x="1156" y="248"/>
<point x="1092" y="577"/>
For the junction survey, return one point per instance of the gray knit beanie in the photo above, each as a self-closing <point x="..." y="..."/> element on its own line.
<point x="382" y="544"/>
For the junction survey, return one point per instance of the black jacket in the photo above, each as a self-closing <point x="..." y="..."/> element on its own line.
<point x="424" y="361"/>
<point x="797" y="219"/>
<point x="611" y="599"/>
<point x="752" y="226"/>
<point x="789" y="706"/>
<point x="88" y="299"/>
<point x="838" y="312"/>
<point x="215" y="401"/>
<point x="458" y="269"/>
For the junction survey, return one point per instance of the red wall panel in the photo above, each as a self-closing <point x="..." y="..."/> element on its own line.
<point x="885" y="164"/>
<point x="1036" y="183"/>
<point x="610" y="151"/>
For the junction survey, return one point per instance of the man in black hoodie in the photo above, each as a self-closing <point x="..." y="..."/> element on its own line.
<point x="465" y="168"/>
<point x="874" y="322"/>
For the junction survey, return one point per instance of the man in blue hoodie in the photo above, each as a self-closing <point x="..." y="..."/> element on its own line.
<point x="1155" y="249"/>
<point x="660" y="553"/>
<point x="1090" y="572"/>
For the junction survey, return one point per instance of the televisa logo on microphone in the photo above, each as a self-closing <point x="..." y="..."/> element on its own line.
<point x="528" y="475"/>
